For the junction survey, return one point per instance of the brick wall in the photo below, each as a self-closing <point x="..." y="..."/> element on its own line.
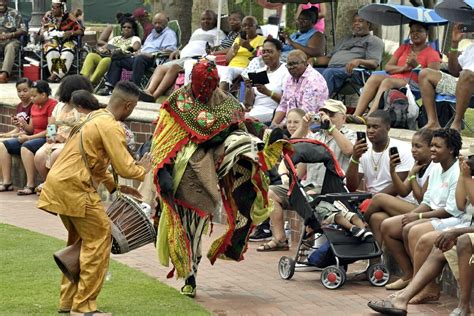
<point x="6" y="111"/>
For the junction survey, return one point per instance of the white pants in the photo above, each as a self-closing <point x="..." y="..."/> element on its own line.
<point x="226" y="74"/>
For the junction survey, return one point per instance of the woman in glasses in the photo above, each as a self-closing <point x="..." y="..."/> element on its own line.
<point x="97" y="63"/>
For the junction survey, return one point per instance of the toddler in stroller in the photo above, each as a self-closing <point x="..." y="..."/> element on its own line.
<point x="335" y="248"/>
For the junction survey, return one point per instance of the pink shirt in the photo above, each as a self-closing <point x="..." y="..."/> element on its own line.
<point x="424" y="58"/>
<point x="308" y="92"/>
<point x="320" y="24"/>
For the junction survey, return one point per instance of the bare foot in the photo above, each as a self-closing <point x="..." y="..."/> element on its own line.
<point x="428" y="294"/>
<point x="456" y="126"/>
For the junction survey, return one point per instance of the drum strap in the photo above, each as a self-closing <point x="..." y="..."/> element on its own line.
<point x="78" y="129"/>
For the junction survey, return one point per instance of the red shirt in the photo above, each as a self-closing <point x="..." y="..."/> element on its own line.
<point x="424" y="58"/>
<point x="23" y="111"/>
<point x="40" y="115"/>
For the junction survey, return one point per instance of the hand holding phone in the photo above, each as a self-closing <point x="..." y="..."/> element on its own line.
<point x="243" y="35"/>
<point x="394" y="156"/>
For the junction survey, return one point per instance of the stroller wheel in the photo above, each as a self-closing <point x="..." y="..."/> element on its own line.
<point x="378" y="274"/>
<point x="286" y="267"/>
<point x="333" y="277"/>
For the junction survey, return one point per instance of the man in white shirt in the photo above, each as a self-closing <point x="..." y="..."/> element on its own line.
<point x="371" y="161"/>
<point x="430" y="81"/>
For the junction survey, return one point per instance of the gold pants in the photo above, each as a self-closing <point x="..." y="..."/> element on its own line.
<point x="94" y="230"/>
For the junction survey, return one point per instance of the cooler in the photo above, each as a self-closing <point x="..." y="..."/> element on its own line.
<point x="31" y="72"/>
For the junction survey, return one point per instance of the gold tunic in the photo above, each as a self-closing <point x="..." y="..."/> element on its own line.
<point x="68" y="187"/>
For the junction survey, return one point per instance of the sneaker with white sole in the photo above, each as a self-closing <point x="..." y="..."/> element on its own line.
<point x="261" y="235"/>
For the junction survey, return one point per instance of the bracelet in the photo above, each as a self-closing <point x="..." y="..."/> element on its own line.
<point x="315" y="61"/>
<point x="411" y="177"/>
<point x="354" y="161"/>
<point x="272" y="94"/>
<point x="331" y="129"/>
<point x="420" y="215"/>
<point x="453" y="49"/>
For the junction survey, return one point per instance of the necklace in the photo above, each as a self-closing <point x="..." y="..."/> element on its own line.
<point x="376" y="164"/>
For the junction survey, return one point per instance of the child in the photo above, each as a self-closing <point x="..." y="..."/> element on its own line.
<point x="28" y="143"/>
<point x="337" y="213"/>
<point x="23" y="108"/>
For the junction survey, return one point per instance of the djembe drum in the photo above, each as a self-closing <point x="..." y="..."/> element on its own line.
<point x="131" y="228"/>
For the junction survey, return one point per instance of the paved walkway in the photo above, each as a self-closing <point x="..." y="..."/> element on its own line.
<point x="251" y="287"/>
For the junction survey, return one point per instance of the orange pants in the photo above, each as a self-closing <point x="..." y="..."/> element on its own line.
<point x="94" y="230"/>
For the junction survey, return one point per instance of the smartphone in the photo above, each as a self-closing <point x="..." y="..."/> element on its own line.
<point x="394" y="151"/>
<point x="467" y="28"/>
<point x="281" y="37"/>
<point x="361" y="135"/>
<point x="470" y="163"/>
<point x="51" y="131"/>
<point x="243" y="35"/>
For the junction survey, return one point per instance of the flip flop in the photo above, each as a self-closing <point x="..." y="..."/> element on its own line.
<point x="386" y="307"/>
<point x="458" y="312"/>
<point x="355" y="119"/>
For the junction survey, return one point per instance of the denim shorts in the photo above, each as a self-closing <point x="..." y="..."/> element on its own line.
<point x="13" y="146"/>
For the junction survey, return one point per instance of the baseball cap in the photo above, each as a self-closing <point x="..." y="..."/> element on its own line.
<point x="139" y="12"/>
<point x="334" y="106"/>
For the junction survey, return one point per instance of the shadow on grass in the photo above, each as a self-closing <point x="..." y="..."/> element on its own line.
<point x="29" y="282"/>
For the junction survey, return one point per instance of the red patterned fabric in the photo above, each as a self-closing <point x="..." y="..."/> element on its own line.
<point x="204" y="80"/>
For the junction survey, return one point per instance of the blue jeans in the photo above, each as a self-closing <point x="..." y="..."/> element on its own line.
<point x="335" y="78"/>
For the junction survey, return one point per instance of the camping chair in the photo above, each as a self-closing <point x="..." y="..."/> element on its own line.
<point x="76" y="62"/>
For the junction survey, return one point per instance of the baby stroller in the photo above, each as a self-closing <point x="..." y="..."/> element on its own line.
<point x="342" y="248"/>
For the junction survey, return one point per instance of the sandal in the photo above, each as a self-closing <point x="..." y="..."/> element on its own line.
<point x="386" y="307"/>
<point x="26" y="191"/>
<point x="274" y="245"/>
<point x="39" y="188"/>
<point x="355" y="119"/>
<point x="6" y="187"/>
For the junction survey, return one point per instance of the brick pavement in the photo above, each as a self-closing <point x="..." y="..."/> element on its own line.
<point x="251" y="287"/>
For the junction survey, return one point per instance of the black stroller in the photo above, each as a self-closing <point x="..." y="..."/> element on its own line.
<point x="343" y="248"/>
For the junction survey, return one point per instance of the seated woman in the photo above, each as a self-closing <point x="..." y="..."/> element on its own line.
<point x="436" y="212"/>
<point x="27" y="144"/>
<point x="278" y="193"/>
<point x="454" y="246"/>
<point x="59" y="30"/>
<point x="307" y="38"/>
<point x="23" y="108"/>
<point x="262" y="100"/>
<point x="399" y="68"/>
<point x="383" y="206"/>
<point x="96" y="64"/>
<point x="64" y="117"/>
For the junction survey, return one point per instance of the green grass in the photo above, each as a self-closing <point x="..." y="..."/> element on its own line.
<point x="469" y="117"/>
<point x="29" y="282"/>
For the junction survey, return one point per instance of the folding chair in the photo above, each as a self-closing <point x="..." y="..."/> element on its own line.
<point x="76" y="63"/>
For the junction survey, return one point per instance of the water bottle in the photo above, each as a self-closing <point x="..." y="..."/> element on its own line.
<point x="287" y="231"/>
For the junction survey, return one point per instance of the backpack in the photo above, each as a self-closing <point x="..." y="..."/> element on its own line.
<point x="396" y="103"/>
<point x="402" y="113"/>
<point x="323" y="256"/>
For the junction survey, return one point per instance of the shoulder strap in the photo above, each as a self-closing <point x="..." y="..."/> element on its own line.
<point x="75" y="130"/>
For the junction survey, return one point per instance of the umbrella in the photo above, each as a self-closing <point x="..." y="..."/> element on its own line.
<point x="333" y="15"/>
<point x="456" y="11"/>
<point x="394" y="14"/>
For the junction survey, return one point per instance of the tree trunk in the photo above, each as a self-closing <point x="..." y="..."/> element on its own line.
<point x="178" y="10"/>
<point x="344" y="14"/>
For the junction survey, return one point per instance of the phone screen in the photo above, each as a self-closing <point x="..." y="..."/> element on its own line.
<point x="361" y="135"/>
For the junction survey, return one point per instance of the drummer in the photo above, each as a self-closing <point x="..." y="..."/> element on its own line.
<point x="71" y="192"/>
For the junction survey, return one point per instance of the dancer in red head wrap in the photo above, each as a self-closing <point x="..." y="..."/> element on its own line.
<point x="200" y="145"/>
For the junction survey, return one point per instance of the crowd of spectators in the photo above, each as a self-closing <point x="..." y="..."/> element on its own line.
<point x="420" y="194"/>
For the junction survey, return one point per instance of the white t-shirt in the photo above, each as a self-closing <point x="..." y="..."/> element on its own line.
<point x="466" y="59"/>
<point x="197" y="43"/>
<point x="376" y="166"/>
<point x="442" y="188"/>
<point x="264" y="106"/>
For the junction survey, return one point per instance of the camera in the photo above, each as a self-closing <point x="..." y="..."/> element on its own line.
<point x="322" y="124"/>
<point x="470" y="163"/>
